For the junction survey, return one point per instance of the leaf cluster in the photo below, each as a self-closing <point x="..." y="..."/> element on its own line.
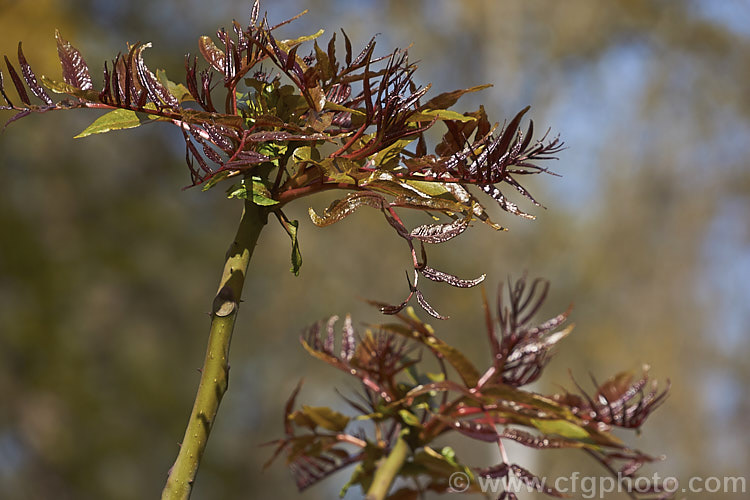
<point x="491" y="405"/>
<point x="283" y="121"/>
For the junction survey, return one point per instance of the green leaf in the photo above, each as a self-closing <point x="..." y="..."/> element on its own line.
<point x="340" y="170"/>
<point x="416" y="329"/>
<point x="450" y="455"/>
<point x="119" y="119"/>
<point x="66" y="88"/>
<point x="323" y="63"/>
<point x="392" y="152"/>
<point x="562" y="428"/>
<point x="285" y="44"/>
<point x="326" y="418"/>
<point x="296" y="254"/>
<point x="332" y="106"/>
<point x="176" y="89"/>
<point x="306" y="153"/>
<point x="465" y="368"/>
<point x="448" y="99"/>
<point x="440" y="114"/>
<point x="291" y="229"/>
<point x="429" y="188"/>
<point x="409" y="418"/>
<point x="214" y="180"/>
<point x="260" y="194"/>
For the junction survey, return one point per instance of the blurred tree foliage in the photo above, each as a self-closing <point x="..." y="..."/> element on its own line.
<point x="646" y="232"/>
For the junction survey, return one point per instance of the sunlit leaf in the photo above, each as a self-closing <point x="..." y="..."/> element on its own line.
<point x="339" y="209"/>
<point x="392" y="152"/>
<point x="70" y="89"/>
<point x="440" y="276"/>
<point x="74" y="68"/>
<point x="337" y="107"/>
<point x="440" y="233"/>
<point x="284" y="136"/>
<point x="119" y="119"/>
<point x="448" y="99"/>
<point x="176" y="89"/>
<point x="539" y="442"/>
<point x="31" y="80"/>
<point x="296" y="254"/>
<point x="325" y="417"/>
<point x="532" y="400"/>
<point x="216" y="179"/>
<point x="564" y="428"/>
<point x="258" y="192"/>
<point x="409" y="418"/>
<point x="302" y="39"/>
<point x="465" y="368"/>
<point x="440" y="114"/>
<point x="212" y="54"/>
<point x="428" y="188"/>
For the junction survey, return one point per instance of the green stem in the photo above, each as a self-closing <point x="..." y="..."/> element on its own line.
<point x="215" y="372"/>
<point x="388" y="470"/>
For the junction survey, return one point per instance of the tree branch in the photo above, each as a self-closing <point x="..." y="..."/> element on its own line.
<point x="215" y="373"/>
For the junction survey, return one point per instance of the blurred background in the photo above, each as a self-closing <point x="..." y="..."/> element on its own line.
<point x="108" y="268"/>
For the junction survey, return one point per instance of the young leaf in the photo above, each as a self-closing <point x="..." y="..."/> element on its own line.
<point x="260" y="194"/>
<point x="296" y="254"/>
<point x="439" y="114"/>
<point x="119" y="119"/>
<point x="440" y="276"/>
<point x="157" y="92"/>
<point x="538" y="442"/>
<point x="17" y="83"/>
<point x="302" y="39"/>
<point x="74" y="68"/>
<point x="212" y="54"/>
<point x="448" y="99"/>
<point x="30" y="78"/>
<point x="440" y="233"/>
<point x="325" y="417"/>
<point x="409" y="418"/>
<point x="465" y="368"/>
<point x="340" y="209"/>
<point x="291" y="229"/>
<point x="176" y="89"/>
<point x="564" y="428"/>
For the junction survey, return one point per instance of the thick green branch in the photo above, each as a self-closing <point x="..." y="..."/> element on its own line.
<point x="388" y="470"/>
<point x="215" y="372"/>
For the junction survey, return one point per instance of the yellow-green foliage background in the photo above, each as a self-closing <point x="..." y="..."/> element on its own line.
<point x="107" y="268"/>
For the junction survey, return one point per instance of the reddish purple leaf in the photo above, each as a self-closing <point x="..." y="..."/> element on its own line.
<point x="506" y="205"/>
<point x="440" y="276"/>
<point x="212" y="54"/>
<point x="75" y="70"/>
<point x="477" y="430"/>
<point x="283" y="136"/>
<point x="2" y="91"/>
<point x="157" y="92"/>
<point x="532" y="441"/>
<point x="440" y="233"/>
<point x="17" y="83"/>
<point x="30" y="78"/>
<point x="427" y="307"/>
